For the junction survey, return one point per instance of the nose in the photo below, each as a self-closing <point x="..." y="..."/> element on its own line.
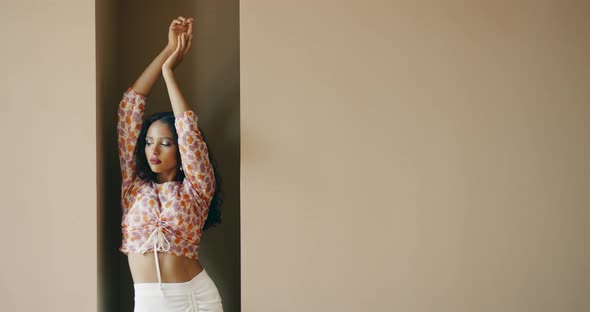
<point x="154" y="149"/>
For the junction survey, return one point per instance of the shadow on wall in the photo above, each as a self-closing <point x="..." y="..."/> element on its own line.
<point x="129" y="35"/>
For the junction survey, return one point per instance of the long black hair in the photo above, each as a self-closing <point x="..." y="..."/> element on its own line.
<point x="145" y="173"/>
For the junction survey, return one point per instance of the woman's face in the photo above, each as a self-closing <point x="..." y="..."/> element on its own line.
<point x="160" y="150"/>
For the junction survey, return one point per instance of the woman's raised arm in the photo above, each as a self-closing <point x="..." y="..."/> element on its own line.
<point x="150" y="75"/>
<point x="179" y="104"/>
<point x="131" y="107"/>
<point x="194" y="152"/>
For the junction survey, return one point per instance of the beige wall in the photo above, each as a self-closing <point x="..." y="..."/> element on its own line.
<point x="395" y="156"/>
<point x="48" y="185"/>
<point x="415" y="156"/>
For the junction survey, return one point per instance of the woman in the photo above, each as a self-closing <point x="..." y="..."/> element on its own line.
<point x="169" y="190"/>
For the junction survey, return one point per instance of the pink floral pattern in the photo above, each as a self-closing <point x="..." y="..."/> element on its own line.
<point x="180" y="208"/>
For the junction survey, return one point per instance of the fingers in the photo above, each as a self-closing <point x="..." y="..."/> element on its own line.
<point x="177" y="26"/>
<point x="183" y="42"/>
<point x="189" y="44"/>
<point x="182" y="24"/>
<point x="179" y="45"/>
<point x="185" y="20"/>
<point x="176" y="21"/>
<point x="182" y="27"/>
<point x="182" y="48"/>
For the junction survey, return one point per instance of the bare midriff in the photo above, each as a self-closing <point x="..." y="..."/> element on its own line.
<point x="173" y="268"/>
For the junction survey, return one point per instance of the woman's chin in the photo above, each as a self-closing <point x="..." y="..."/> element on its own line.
<point x="159" y="169"/>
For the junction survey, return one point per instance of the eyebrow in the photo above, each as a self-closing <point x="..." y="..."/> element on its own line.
<point x="149" y="137"/>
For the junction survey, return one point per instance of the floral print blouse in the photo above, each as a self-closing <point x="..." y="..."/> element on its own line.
<point x="166" y="217"/>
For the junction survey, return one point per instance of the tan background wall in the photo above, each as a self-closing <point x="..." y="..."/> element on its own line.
<point x="409" y="156"/>
<point x="415" y="155"/>
<point x="48" y="155"/>
<point x="131" y="34"/>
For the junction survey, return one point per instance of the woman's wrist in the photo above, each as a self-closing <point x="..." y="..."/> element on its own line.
<point x="167" y="72"/>
<point x="168" y="50"/>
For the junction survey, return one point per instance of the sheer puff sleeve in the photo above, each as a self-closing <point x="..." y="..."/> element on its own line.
<point x="130" y="118"/>
<point x="194" y="156"/>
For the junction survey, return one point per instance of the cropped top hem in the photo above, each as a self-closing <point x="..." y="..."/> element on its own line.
<point x="126" y="251"/>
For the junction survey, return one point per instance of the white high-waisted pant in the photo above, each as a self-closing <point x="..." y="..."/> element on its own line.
<point x="198" y="294"/>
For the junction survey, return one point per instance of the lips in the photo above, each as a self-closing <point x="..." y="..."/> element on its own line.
<point x="155" y="161"/>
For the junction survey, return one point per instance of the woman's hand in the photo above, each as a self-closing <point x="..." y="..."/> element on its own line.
<point x="184" y="45"/>
<point x="150" y="75"/>
<point x="178" y="26"/>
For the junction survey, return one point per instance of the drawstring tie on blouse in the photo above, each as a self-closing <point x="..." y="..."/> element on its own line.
<point x="158" y="239"/>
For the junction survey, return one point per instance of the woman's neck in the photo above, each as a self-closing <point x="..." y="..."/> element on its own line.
<point x="164" y="177"/>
